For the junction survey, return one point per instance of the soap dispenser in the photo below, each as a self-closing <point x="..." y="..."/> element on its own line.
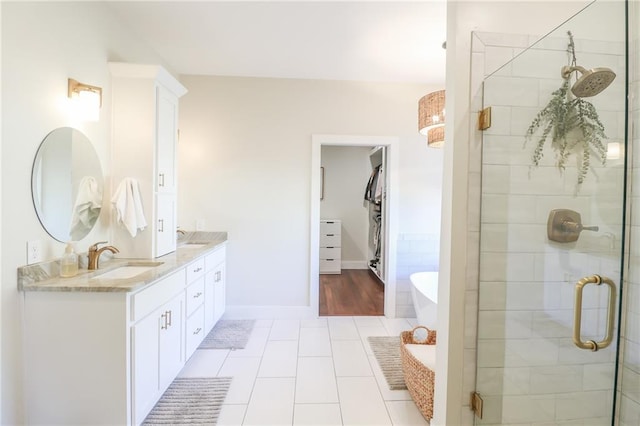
<point x="69" y="262"/>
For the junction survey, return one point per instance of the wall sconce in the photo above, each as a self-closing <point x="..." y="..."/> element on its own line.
<point x="613" y="151"/>
<point x="431" y="118"/>
<point x="86" y="100"/>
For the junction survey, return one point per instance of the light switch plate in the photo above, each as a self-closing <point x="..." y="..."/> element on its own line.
<point x="34" y="251"/>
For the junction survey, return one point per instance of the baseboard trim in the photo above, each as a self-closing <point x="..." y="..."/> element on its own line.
<point x="268" y="312"/>
<point x="354" y="264"/>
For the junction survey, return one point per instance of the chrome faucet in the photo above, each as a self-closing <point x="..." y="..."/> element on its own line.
<point x="95" y="252"/>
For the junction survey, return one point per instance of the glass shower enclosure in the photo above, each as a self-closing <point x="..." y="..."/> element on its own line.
<point x="558" y="339"/>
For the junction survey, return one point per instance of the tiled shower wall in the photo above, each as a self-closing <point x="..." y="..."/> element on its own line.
<point x="629" y="370"/>
<point x="529" y="371"/>
<point x="415" y="253"/>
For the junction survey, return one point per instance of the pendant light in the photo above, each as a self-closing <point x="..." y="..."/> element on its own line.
<point x="431" y="118"/>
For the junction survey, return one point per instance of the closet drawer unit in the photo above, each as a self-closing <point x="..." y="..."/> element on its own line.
<point x="330" y="227"/>
<point x="330" y="253"/>
<point x="330" y="250"/>
<point x="330" y="266"/>
<point x="330" y="240"/>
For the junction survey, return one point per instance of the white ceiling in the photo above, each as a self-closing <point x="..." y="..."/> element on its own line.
<point x="368" y="41"/>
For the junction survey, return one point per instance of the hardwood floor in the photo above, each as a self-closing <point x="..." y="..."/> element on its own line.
<point x="354" y="292"/>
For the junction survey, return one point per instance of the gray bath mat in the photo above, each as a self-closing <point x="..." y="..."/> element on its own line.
<point x="190" y="401"/>
<point x="228" y="334"/>
<point x="387" y="352"/>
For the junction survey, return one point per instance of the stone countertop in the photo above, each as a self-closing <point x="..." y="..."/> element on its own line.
<point x="45" y="276"/>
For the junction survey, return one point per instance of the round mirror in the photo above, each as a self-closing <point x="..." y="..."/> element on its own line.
<point x="67" y="184"/>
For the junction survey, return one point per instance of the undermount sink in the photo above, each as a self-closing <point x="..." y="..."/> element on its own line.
<point x="193" y="244"/>
<point x="128" y="271"/>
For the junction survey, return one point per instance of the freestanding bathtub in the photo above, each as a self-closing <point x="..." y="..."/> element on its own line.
<point x="424" y="292"/>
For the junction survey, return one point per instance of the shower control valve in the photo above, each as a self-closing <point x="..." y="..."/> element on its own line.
<point x="564" y="226"/>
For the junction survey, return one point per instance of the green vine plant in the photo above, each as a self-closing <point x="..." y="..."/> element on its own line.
<point x="573" y="126"/>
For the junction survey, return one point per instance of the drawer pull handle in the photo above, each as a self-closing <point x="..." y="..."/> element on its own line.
<point x="218" y="276"/>
<point x="329" y="247"/>
<point x="161" y="183"/>
<point x="161" y="222"/>
<point x="168" y="318"/>
<point x="330" y="260"/>
<point x="198" y="294"/>
<point x="330" y="235"/>
<point x="197" y="331"/>
<point x="198" y="269"/>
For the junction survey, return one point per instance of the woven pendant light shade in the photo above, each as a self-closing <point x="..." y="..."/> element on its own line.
<point x="431" y="118"/>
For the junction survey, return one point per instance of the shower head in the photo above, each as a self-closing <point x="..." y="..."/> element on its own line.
<point x="591" y="82"/>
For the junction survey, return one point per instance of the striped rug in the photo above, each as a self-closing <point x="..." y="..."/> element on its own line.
<point x="190" y="401"/>
<point x="228" y="334"/>
<point x="387" y="352"/>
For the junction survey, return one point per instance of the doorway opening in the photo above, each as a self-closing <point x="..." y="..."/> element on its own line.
<point x="353" y="227"/>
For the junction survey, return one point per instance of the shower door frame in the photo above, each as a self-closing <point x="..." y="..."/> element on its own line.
<point x="624" y="231"/>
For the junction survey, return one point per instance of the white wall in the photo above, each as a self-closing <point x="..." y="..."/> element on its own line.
<point x="244" y="167"/>
<point x="43" y="44"/>
<point x="346" y="173"/>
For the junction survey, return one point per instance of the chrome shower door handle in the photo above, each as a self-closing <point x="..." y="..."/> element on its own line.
<point x="577" y="313"/>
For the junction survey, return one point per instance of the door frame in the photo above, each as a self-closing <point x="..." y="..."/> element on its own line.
<point x="392" y="144"/>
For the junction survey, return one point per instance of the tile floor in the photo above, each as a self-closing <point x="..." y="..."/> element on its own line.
<point x="309" y="372"/>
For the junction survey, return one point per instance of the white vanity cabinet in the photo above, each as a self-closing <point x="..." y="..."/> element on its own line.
<point x="145" y="134"/>
<point x="104" y="352"/>
<point x="102" y="357"/>
<point x="157" y="341"/>
<point x="214" y="291"/>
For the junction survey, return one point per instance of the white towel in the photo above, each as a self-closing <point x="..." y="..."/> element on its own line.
<point x="127" y="203"/>
<point x="86" y="208"/>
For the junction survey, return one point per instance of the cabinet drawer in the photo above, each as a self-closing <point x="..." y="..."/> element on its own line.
<point x="214" y="259"/>
<point x="330" y="253"/>
<point x="195" y="295"/>
<point x="195" y="269"/>
<point x="147" y="300"/>
<point x="330" y="266"/>
<point x="330" y="227"/>
<point x="329" y="240"/>
<point x="195" y="330"/>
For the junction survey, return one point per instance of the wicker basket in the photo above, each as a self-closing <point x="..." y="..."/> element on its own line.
<point x="419" y="379"/>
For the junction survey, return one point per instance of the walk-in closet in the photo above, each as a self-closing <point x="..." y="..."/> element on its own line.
<point x="352" y="230"/>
